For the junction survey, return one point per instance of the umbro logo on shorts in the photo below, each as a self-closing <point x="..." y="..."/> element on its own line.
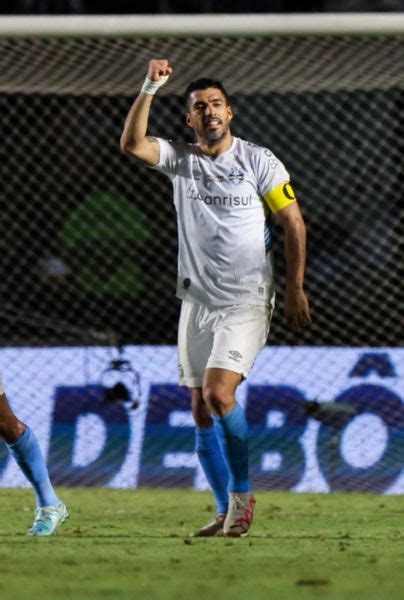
<point x="235" y="355"/>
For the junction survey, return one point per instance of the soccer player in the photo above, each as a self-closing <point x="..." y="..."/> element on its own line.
<point x="224" y="191"/>
<point x="23" y="446"/>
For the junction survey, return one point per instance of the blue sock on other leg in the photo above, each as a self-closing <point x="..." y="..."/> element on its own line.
<point x="28" y="455"/>
<point x="232" y="435"/>
<point x="213" y="465"/>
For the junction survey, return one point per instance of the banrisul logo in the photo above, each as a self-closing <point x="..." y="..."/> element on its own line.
<point x="236" y="176"/>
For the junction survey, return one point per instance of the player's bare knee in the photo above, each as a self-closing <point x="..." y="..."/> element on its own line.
<point x="10" y="428"/>
<point x="218" y="399"/>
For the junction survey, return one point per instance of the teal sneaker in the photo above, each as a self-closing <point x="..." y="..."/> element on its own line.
<point x="47" y="519"/>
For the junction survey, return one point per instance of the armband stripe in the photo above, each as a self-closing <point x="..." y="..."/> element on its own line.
<point x="281" y="196"/>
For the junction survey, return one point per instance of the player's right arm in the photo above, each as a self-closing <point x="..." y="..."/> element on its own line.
<point x="134" y="139"/>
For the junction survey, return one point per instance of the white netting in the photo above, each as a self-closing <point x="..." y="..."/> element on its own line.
<point x="113" y="67"/>
<point x="89" y="237"/>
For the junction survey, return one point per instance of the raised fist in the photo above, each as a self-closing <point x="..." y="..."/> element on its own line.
<point x="159" y="70"/>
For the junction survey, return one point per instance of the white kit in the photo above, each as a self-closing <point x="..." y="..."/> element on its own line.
<point x="225" y="254"/>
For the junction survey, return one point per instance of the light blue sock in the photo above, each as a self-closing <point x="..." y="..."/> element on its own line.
<point x="232" y="431"/>
<point x="213" y="465"/>
<point x="28" y="455"/>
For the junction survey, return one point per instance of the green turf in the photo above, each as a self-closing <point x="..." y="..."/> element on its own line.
<point x="133" y="544"/>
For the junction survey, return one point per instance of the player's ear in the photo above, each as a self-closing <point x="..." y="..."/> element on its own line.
<point x="188" y="120"/>
<point x="230" y="112"/>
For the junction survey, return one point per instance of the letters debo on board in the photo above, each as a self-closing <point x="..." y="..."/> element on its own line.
<point x="279" y="423"/>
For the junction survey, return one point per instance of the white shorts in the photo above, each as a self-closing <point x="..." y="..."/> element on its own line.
<point x="224" y="338"/>
<point x="1" y="386"/>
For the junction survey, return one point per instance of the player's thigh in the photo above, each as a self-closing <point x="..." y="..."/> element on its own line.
<point x="239" y="336"/>
<point x="10" y="427"/>
<point x="195" y="342"/>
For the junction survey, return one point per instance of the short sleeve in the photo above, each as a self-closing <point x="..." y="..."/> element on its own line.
<point x="270" y="171"/>
<point x="169" y="157"/>
<point x="273" y="181"/>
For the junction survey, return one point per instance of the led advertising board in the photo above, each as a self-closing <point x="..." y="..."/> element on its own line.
<point x="353" y="439"/>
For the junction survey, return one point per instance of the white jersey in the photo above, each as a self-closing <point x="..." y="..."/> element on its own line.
<point x="224" y="256"/>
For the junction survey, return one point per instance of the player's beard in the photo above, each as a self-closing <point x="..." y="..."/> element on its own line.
<point x="211" y="137"/>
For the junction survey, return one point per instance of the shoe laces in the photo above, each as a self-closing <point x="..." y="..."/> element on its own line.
<point x="237" y="503"/>
<point x="247" y="510"/>
<point x="44" y="513"/>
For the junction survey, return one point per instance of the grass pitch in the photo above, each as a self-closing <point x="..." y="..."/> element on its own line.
<point x="133" y="544"/>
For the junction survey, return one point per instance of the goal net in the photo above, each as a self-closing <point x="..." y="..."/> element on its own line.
<point x="89" y="246"/>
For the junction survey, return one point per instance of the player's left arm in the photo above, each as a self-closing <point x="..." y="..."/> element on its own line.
<point x="286" y="211"/>
<point x="297" y="310"/>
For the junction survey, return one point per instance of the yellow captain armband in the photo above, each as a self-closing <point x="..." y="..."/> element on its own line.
<point x="281" y="196"/>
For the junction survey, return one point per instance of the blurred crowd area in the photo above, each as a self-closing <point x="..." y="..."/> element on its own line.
<point x="194" y="6"/>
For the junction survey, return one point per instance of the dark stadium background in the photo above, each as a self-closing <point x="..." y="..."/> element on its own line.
<point x="35" y="224"/>
<point x="193" y="6"/>
<point x="39" y="307"/>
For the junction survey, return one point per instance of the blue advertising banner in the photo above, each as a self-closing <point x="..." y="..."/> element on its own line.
<point x="320" y="419"/>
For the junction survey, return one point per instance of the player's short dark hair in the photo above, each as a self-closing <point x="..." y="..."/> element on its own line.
<point x="203" y="84"/>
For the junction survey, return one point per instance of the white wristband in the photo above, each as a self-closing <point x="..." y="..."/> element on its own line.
<point x="151" y="87"/>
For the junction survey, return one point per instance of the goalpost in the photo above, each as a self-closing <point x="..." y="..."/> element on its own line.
<point x="89" y="237"/>
<point x="205" y="25"/>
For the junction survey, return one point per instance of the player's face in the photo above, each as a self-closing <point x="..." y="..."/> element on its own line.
<point x="209" y="115"/>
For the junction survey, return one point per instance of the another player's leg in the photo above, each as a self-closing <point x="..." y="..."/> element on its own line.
<point x="232" y="433"/>
<point x="23" y="446"/>
<point x="212" y="462"/>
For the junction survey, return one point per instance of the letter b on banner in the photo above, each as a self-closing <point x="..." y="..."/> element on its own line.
<point x="276" y="420"/>
<point x="168" y="455"/>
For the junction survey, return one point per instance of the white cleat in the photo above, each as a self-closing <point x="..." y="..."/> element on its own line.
<point x="240" y="514"/>
<point x="47" y="519"/>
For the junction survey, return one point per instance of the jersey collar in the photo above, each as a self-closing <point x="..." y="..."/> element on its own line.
<point x="222" y="154"/>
